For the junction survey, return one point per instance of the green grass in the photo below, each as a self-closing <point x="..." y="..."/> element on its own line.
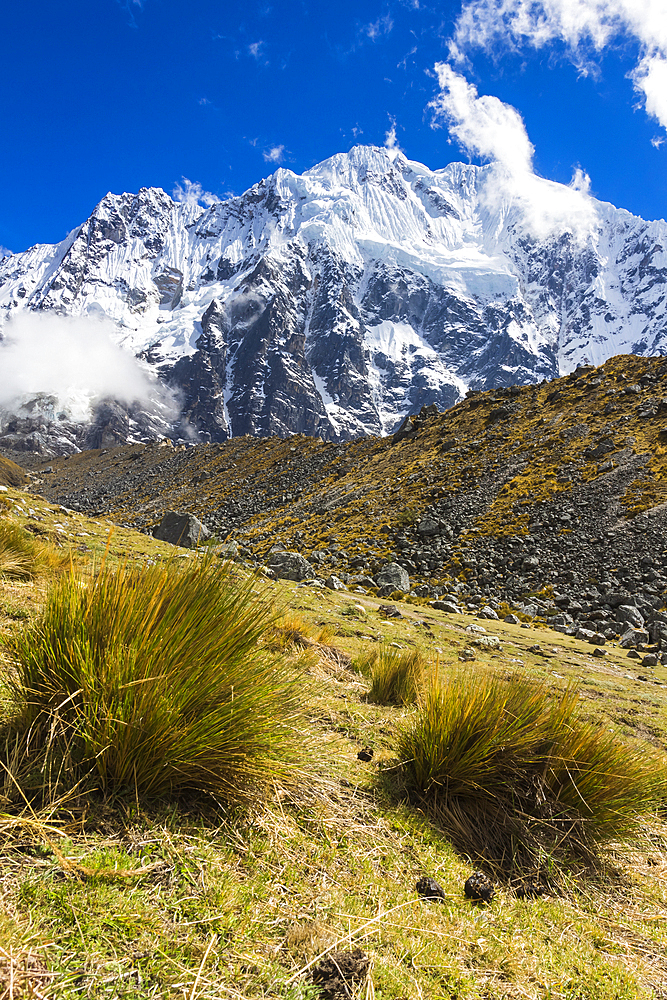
<point x="150" y="682"/>
<point x="514" y="775"/>
<point x="163" y="900"/>
<point x="396" y="675"/>
<point x="10" y="473"/>
<point x="22" y="557"/>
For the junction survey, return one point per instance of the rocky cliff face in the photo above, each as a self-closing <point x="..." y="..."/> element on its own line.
<point x="336" y="302"/>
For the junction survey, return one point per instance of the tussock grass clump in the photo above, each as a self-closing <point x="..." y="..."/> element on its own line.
<point x="290" y="631"/>
<point x="514" y="775"/>
<point x="153" y="681"/>
<point x="22" y="557"/>
<point x="396" y="675"/>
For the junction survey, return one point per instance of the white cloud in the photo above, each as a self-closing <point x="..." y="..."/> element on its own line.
<point x="580" y="181"/>
<point x="376" y="29"/>
<point x="255" y="49"/>
<point x="485" y="127"/>
<point x="585" y="27"/>
<point x="390" y="141"/>
<point x="650" y="77"/>
<point x="274" y="155"/>
<point x="408" y="55"/>
<point x="75" y="360"/>
<point x="192" y="193"/>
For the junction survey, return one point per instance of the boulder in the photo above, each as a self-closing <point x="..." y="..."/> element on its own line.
<point x="487" y="641"/>
<point x="448" y="606"/>
<point x="393" y="576"/>
<point x="428" y="527"/>
<point x="290" y="566"/>
<point x="625" y="614"/>
<point x="333" y="583"/>
<point x="615" y="598"/>
<point x="487" y="612"/>
<point x="181" y="529"/>
<point x="362" y="581"/>
<point x="633" y="637"/>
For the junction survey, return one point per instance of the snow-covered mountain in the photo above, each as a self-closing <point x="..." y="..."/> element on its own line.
<point x="335" y="302"/>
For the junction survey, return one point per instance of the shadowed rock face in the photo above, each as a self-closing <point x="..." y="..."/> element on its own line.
<point x="182" y="529"/>
<point x="336" y="302"/>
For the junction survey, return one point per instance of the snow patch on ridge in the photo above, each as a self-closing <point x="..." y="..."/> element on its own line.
<point x="399" y="284"/>
<point x="396" y="352"/>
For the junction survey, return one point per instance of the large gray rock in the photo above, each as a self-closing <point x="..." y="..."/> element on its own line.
<point x="394" y="576"/>
<point x="627" y="614"/>
<point x="633" y="637"/>
<point x="290" y="566"/>
<point x="181" y="529"/>
<point x="361" y="581"/>
<point x="448" y="606"/>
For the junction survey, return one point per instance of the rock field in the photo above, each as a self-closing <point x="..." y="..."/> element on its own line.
<point x="546" y="501"/>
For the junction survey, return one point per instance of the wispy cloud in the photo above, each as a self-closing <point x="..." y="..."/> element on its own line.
<point x="488" y="128"/>
<point x="276" y="154"/>
<point x="390" y="141"/>
<point x="375" y="29"/>
<point x="131" y="7"/>
<point x="585" y="28"/>
<point x="408" y="55"/>
<point x="365" y="33"/>
<point x="192" y="193"/>
<point x="257" y="51"/>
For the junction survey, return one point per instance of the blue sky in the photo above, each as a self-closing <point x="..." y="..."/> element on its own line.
<point x="111" y="96"/>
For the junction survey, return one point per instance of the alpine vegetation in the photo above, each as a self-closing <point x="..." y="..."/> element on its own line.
<point x="23" y="557"/>
<point x="516" y="776"/>
<point x="396" y="675"/>
<point x="153" y="682"/>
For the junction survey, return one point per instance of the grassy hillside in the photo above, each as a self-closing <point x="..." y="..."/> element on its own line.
<point x="121" y="896"/>
<point x="11" y="474"/>
<point x="569" y="471"/>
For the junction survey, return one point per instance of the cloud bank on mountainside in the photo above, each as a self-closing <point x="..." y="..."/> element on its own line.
<point x="488" y="128"/>
<point x="75" y="360"/>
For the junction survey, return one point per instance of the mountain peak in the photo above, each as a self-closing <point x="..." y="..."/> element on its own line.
<point x="337" y="301"/>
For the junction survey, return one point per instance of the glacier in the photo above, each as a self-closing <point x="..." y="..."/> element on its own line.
<point x="334" y="302"/>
